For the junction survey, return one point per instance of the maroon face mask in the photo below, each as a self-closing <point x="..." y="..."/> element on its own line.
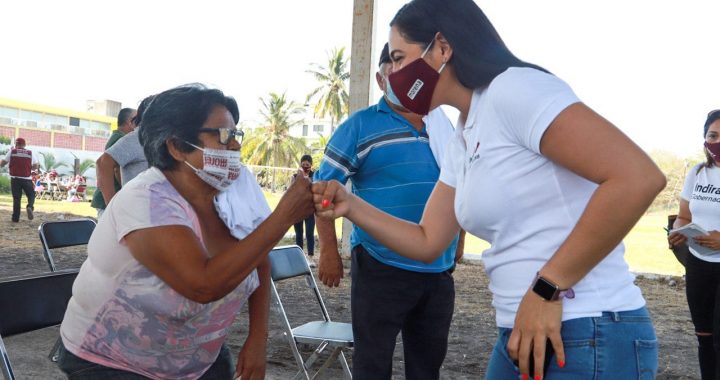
<point x="415" y="83"/>
<point x="714" y="149"/>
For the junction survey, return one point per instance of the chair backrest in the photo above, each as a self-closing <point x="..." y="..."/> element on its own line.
<point x="64" y="233"/>
<point x="288" y="262"/>
<point x="30" y="303"/>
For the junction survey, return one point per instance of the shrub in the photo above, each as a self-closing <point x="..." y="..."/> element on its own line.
<point x="4" y="184"/>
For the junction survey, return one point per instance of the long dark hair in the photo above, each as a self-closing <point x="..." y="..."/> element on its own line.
<point x="479" y="54"/>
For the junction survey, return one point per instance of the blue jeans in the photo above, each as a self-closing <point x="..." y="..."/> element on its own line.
<point x="619" y="345"/>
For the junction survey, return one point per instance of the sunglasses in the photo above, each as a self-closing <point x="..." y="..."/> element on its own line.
<point x="226" y="134"/>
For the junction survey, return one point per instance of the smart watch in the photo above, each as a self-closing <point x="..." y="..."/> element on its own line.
<point x="549" y="291"/>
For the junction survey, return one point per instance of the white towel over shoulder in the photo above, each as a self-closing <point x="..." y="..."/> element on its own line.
<point x="242" y="206"/>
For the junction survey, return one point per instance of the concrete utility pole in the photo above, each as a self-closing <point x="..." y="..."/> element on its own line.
<point x="361" y="71"/>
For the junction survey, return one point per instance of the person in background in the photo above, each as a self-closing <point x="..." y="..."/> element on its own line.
<point x="165" y="275"/>
<point x="306" y="162"/>
<point x="21" y="164"/>
<point x="552" y="185"/>
<point x="37" y="177"/>
<point x="387" y="152"/>
<point x="700" y="204"/>
<point x="77" y="186"/>
<point x="126" y="124"/>
<point x="126" y="155"/>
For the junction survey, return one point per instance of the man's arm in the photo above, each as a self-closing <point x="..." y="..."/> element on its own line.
<point x="460" y="250"/>
<point x="5" y="160"/>
<point x="330" y="270"/>
<point x="105" y="167"/>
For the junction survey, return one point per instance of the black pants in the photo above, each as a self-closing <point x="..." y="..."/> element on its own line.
<point x="17" y="187"/>
<point x="80" y="369"/>
<point x="309" y="234"/>
<point x="703" y="295"/>
<point x="385" y="301"/>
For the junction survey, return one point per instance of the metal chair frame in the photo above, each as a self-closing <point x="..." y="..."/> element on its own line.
<point x="289" y="262"/>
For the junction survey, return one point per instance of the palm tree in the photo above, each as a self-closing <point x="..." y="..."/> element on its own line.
<point x="271" y="144"/>
<point x="318" y="150"/>
<point x="49" y="162"/>
<point x="333" y="95"/>
<point x="85" y="165"/>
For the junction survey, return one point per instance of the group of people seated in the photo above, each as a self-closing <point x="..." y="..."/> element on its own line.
<point x="70" y="188"/>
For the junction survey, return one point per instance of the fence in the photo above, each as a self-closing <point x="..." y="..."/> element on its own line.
<point x="273" y="178"/>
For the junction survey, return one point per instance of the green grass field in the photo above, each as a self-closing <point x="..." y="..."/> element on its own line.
<point x="646" y="245"/>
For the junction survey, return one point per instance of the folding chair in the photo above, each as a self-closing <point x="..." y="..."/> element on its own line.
<point x="31" y="303"/>
<point x="65" y="233"/>
<point x="289" y="262"/>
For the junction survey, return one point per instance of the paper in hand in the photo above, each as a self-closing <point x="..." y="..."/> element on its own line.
<point x="691" y="231"/>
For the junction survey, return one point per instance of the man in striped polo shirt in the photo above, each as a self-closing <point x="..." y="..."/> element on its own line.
<point x="22" y="161"/>
<point x="386" y="151"/>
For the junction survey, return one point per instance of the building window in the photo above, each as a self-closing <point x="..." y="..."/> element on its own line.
<point x="56" y="119"/>
<point x="8" y="112"/>
<point x="74" y="121"/>
<point x="305" y="130"/>
<point x="100" y="125"/>
<point x="318" y="128"/>
<point x="30" y="115"/>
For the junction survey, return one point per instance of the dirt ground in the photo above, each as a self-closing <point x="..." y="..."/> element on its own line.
<point x="472" y="334"/>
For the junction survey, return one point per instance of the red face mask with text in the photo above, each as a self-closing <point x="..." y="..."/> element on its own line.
<point x="714" y="149"/>
<point x="415" y="83"/>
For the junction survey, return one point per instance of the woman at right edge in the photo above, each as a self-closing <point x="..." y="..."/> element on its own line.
<point x="699" y="206"/>
<point x="552" y="185"/>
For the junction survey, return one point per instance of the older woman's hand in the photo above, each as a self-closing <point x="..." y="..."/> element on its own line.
<point x="251" y="362"/>
<point x="297" y="202"/>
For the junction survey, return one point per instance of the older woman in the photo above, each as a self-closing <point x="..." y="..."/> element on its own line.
<point x="165" y="276"/>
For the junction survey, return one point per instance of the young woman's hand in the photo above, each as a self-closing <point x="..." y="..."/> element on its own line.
<point x="712" y="240"/>
<point x="331" y="199"/>
<point x="676" y="239"/>
<point x="536" y="321"/>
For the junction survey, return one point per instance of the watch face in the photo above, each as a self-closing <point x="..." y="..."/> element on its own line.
<point x="544" y="289"/>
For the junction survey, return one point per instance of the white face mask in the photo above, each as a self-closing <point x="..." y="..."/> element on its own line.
<point x="220" y="167"/>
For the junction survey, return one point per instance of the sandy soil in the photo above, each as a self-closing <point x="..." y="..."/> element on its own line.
<point x="472" y="333"/>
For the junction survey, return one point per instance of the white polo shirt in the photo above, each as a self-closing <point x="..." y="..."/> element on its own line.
<point x="525" y="205"/>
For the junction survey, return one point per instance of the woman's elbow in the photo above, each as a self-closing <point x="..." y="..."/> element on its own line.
<point x="655" y="182"/>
